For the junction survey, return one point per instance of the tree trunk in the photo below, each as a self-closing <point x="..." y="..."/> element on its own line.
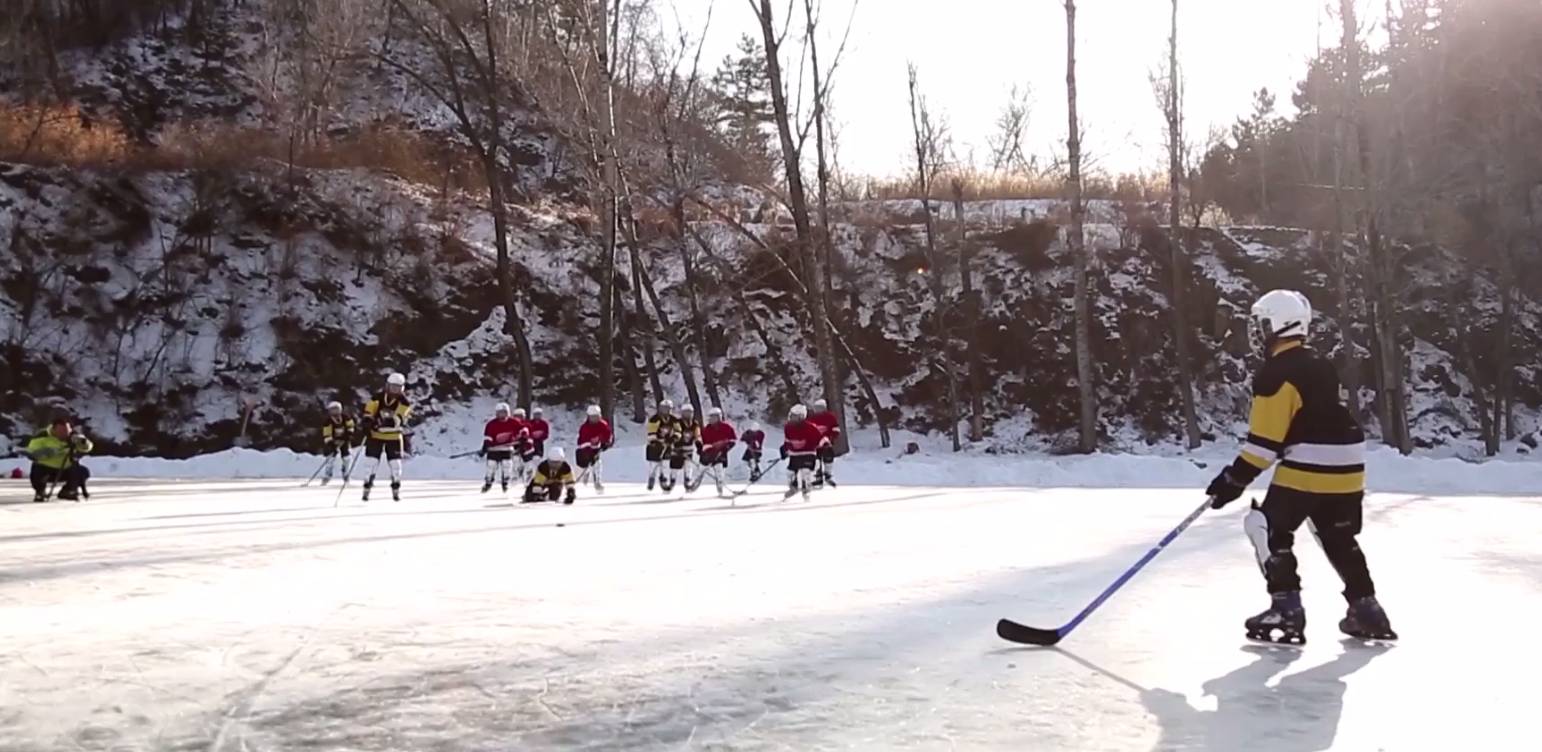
<point x="628" y="362"/>
<point x="640" y="314"/>
<point x="1076" y="241"/>
<point x="972" y="319"/>
<point x="607" y="217"/>
<point x="1378" y="267"/>
<point x="1349" y="368"/>
<point x="826" y="247"/>
<point x="773" y="352"/>
<point x="671" y="333"/>
<point x="1504" y="357"/>
<point x="513" y="324"/>
<point x="1180" y="256"/>
<point x="824" y="350"/>
<point x="698" y="319"/>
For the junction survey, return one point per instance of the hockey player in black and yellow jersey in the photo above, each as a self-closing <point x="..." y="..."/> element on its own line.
<point x="337" y="433"/>
<point x="683" y="449"/>
<point x="1298" y="421"/>
<point x="552" y="480"/>
<point x="385" y="422"/>
<point x="662" y="428"/>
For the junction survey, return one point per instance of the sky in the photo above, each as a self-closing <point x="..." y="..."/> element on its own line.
<point x="969" y="54"/>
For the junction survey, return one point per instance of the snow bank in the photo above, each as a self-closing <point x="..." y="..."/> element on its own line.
<point x="1389" y="471"/>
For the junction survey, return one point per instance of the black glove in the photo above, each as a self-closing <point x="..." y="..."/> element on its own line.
<point x="1224" y="489"/>
<point x="570" y="496"/>
<point x="784" y="451"/>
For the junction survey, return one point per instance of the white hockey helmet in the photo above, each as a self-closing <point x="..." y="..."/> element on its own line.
<point x="334" y="406"/>
<point x="396" y="379"/>
<point x="555" y="454"/>
<point x="821" y="405"/>
<point x="714" y="414"/>
<point x="1281" y="313"/>
<point x="798" y="412"/>
<point x="755" y="425"/>
<point x="519" y="412"/>
<point x="593" y="411"/>
<point x="536" y="411"/>
<point x="666" y="405"/>
<point x="502" y="408"/>
<point x="687" y="409"/>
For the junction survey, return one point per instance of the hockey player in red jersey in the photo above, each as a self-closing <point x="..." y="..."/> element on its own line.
<point x="594" y="437"/>
<point x="717" y="440"/>
<point x="540" y="431"/>
<point x="830" y="428"/>
<point x="501" y="438"/>
<point x="754" y="444"/>
<point x="801" y="440"/>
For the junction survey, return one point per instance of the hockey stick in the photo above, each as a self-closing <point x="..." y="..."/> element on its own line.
<point x="464" y="455"/>
<point x="1012" y="631"/>
<point x="319" y="468"/>
<point x="348" y="475"/>
<point x="763" y="473"/>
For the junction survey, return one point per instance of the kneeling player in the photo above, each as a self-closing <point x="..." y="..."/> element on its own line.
<point x="551" y="478"/>
<point x="717" y="440"/>
<point x="800" y="447"/>
<point x="594" y="437"/>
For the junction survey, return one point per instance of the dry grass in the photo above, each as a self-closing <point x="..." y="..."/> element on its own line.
<point x="981" y="185"/>
<point x="59" y="135"/>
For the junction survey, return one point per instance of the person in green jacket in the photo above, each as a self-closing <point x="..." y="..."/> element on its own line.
<point x="55" y="455"/>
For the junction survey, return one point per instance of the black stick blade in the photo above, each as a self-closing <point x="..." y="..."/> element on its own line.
<point x="1011" y="631"/>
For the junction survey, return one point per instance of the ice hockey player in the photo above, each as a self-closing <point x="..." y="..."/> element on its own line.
<point x="336" y="439"/>
<point x="1298" y="420"/>
<point x="551" y="478"/>
<point x="540" y="430"/>
<point x="501" y="437"/>
<point x="717" y="440"/>
<point x="594" y="437"/>
<point x="682" y="452"/>
<point x="524" y="448"/>
<point x="55" y="455"/>
<point x="830" y="428"/>
<point x="801" y="440"/>
<point x="661" y="436"/>
<point x="754" y="444"/>
<point x="385" y="420"/>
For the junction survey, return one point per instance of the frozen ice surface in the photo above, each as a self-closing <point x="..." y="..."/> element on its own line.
<point x="252" y="615"/>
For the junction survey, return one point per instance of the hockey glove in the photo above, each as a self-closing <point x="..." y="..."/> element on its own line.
<point x="784" y="451"/>
<point x="1224" y="489"/>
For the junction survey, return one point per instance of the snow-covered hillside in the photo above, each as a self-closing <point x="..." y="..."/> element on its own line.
<point x="160" y="305"/>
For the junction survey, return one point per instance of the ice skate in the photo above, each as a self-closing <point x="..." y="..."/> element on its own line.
<point x="367" y="486"/>
<point x="487" y="485"/>
<point x="396" y="491"/>
<point x="1284" y="616"/>
<point x="1367" y="621"/>
<point x="792" y="489"/>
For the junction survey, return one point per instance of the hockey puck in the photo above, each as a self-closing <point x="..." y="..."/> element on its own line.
<point x="562" y="524"/>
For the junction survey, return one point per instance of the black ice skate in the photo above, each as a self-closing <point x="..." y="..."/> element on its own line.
<point x="505" y="486"/>
<point x="39" y="498"/>
<point x="396" y="490"/>
<point x="367" y="486"/>
<point x="650" y="481"/>
<point x="792" y="489"/>
<point x="1284" y="616"/>
<point x="1367" y="621"/>
<point x="487" y="485"/>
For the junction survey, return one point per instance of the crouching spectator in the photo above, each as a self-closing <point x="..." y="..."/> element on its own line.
<point x="55" y="456"/>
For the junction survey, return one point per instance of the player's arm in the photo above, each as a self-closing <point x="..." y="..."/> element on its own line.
<point x="1276" y="401"/>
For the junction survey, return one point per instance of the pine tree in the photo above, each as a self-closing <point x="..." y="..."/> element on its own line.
<point x="743" y="91"/>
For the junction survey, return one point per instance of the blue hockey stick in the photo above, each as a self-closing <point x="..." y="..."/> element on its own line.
<point x="1011" y="630"/>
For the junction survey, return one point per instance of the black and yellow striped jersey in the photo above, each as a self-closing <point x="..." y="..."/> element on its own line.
<point x="550" y="473"/>
<point x="387" y="415"/>
<point x="1298" y="420"/>
<point x="339" y="430"/>
<point x="663" y="428"/>
<point x="687" y="432"/>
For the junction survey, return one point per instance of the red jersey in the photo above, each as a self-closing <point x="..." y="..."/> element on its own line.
<point x="754" y="439"/>
<point x="595" y="434"/>
<point x="802" y="437"/>
<point x="504" y="432"/>
<point x="828" y="425"/>
<point x="718" y="436"/>
<point x="540" y="430"/>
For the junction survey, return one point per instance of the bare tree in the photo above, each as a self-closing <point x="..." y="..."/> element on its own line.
<point x="928" y="150"/>
<point x="1076" y="241"/>
<point x="1180" y="257"/>
<point x="462" y="72"/>
<point x="1006" y="145"/>
<point x="971" y="317"/>
<point x="824" y="350"/>
<point x="1379" y="267"/>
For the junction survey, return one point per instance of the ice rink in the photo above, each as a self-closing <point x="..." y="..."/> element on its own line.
<point x="252" y="615"/>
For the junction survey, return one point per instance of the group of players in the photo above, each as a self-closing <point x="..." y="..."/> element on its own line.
<point x="680" y="448"/>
